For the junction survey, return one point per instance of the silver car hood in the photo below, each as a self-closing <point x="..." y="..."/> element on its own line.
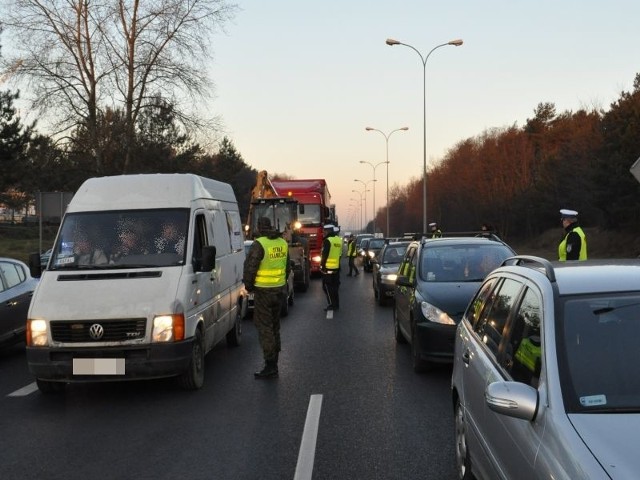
<point x="613" y="439"/>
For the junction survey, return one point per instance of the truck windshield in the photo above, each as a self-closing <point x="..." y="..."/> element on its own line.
<point x="311" y="216"/>
<point x="121" y="239"/>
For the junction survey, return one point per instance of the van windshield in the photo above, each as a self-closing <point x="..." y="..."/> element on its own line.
<point x="121" y="239"/>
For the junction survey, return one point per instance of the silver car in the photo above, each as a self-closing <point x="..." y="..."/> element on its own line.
<point x="546" y="377"/>
<point x="16" y="290"/>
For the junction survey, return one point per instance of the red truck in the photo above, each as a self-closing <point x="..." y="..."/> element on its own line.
<point x="314" y="211"/>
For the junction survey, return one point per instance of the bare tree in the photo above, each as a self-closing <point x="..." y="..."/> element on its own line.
<point x="83" y="56"/>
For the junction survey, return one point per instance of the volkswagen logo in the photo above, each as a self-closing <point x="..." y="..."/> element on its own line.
<point x="96" y="331"/>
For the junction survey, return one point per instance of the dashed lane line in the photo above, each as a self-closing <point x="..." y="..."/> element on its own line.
<point x="307" y="453"/>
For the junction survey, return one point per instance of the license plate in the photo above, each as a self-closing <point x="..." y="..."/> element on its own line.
<point x="98" y="366"/>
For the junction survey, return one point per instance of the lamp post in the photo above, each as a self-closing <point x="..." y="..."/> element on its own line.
<point x="359" y="206"/>
<point x="365" y="198"/>
<point x="456" y="43"/>
<point x="374" y="189"/>
<point x="386" y="138"/>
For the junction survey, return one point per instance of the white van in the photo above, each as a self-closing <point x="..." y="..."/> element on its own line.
<point x="144" y="279"/>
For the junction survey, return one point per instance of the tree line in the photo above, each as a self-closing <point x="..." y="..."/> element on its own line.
<point x="119" y="85"/>
<point x="517" y="178"/>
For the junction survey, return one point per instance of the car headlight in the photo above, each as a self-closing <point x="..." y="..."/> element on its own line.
<point x="168" y="328"/>
<point x="434" y="314"/>
<point x="37" y="333"/>
<point x="389" y="277"/>
<point x="371" y="254"/>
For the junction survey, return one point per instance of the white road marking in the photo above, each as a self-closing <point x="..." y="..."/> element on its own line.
<point x="24" y="391"/>
<point x="329" y="314"/>
<point x="307" y="453"/>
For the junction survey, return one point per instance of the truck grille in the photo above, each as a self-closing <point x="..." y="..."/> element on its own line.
<point x="111" y="330"/>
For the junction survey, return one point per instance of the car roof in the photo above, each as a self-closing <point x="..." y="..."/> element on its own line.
<point x="461" y="240"/>
<point x="584" y="277"/>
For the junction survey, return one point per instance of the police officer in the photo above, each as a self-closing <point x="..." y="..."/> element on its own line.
<point x="352" y="253"/>
<point x="266" y="270"/>
<point x="330" y="266"/>
<point x="435" y="231"/>
<point x="574" y="244"/>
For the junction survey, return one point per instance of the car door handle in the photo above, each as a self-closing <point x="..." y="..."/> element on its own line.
<point x="466" y="356"/>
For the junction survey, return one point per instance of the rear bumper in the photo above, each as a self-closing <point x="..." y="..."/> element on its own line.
<point x="140" y="361"/>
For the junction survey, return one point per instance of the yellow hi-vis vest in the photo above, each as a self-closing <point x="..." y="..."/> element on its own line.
<point x="333" y="259"/>
<point x="562" y="248"/>
<point x="273" y="267"/>
<point x="351" y="248"/>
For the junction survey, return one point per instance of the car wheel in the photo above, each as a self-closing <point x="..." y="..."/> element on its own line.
<point x="419" y="365"/>
<point x="193" y="377"/>
<point x="396" y="328"/>
<point x="234" y="336"/>
<point x="380" y="296"/>
<point x="463" y="463"/>
<point x="307" y="278"/>
<point x="47" y="387"/>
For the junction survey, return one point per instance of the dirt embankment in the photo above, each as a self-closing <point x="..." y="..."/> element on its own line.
<point x="600" y="244"/>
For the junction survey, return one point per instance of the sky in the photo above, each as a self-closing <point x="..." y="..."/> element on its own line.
<point x="297" y="82"/>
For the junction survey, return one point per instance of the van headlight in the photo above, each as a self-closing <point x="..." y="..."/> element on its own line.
<point x="37" y="333"/>
<point x="434" y="314"/>
<point x="168" y="328"/>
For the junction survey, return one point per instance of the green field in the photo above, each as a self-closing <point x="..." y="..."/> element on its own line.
<point x="18" y="241"/>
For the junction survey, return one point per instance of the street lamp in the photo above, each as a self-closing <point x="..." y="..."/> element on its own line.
<point x="359" y="205"/>
<point x="365" y="197"/>
<point x="456" y="43"/>
<point x="386" y="138"/>
<point x="374" y="189"/>
<point x="357" y="213"/>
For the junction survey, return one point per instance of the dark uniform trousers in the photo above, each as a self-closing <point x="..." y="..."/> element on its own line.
<point x="331" y="284"/>
<point x="266" y="317"/>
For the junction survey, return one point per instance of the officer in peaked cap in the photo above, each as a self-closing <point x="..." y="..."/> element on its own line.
<point x="435" y="231"/>
<point x="330" y="266"/>
<point x="574" y="244"/>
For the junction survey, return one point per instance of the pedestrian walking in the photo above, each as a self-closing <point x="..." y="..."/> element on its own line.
<point x="266" y="270"/>
<point x="352" y="253"/>
<point x="574" y="243"/>
<point x="330" y="266"/>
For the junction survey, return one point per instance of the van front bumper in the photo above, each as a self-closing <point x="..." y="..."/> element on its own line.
<point x="140" y="361"/>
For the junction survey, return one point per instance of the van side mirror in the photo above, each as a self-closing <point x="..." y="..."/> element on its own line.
<point x="34" y="265"/>
<point x="208" y="259"/>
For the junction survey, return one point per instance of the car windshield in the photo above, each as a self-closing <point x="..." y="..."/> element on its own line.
<point x="461" y="263"/>
<point x="597" y="348"/>
<point x="121" y="239"/>
<point x="376" y="243"/>
<point x="393" y="254"/>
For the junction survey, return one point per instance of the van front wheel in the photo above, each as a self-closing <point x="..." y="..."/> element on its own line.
<point x="193" y="377"/>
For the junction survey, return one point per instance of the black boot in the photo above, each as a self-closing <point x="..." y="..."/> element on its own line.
<point x="270" y="370"/>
